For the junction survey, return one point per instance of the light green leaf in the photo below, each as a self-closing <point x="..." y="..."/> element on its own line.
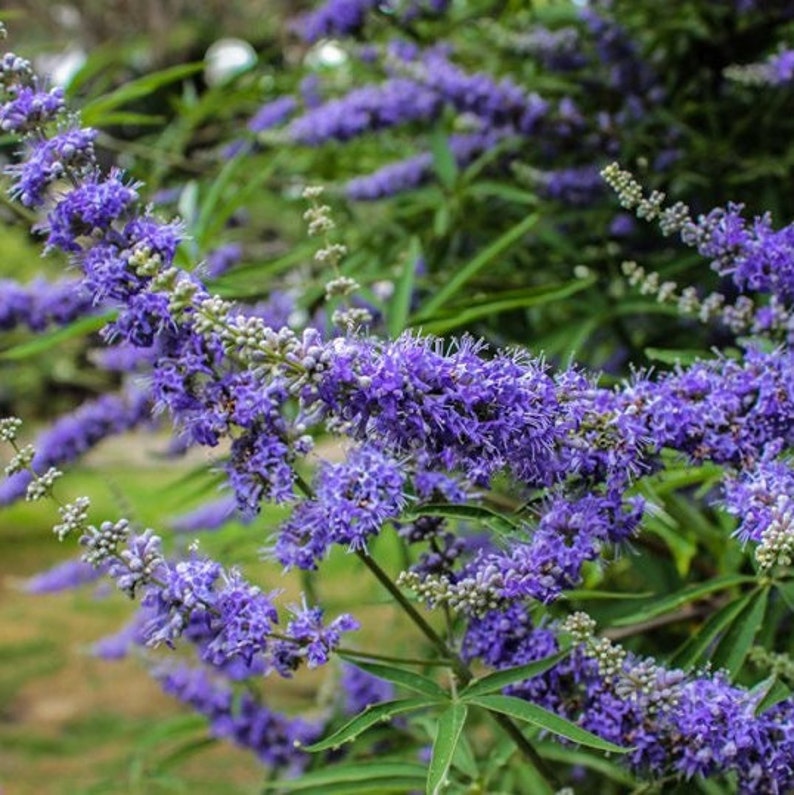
<point x="355" y="777"/>
<point x="448" y="730"/>
<point x="43" y="342"/>
<point x="443" y="159"/>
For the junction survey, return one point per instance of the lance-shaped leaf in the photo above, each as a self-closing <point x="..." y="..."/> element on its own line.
<point x="374" y="777"/>
<point x="682" y="597"/>
<point x="510" y="676"/>
<point x="448" y="730"/>
<point x="543" y="719"/>
<point x="737" y="640"/>
<point x="399" y="676"/>
<point x="377" y="713"/>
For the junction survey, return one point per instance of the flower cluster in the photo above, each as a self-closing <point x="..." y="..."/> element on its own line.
<point x="430" y="426"/>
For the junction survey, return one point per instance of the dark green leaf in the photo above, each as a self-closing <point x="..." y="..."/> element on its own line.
<point x="399" y="676"/>
<point x="450" y="725"/>
<point x="543" y="719"/>
<point x="400" y="305"/>
<point x="497" y="304"/>
<point x="732" y="649"/>
<point x="774" y="691"/>
<point x="93" y="114"/>
<point x="498" y="522"/>
<point x="378" y="713"/>
<point x="469" y="270"/>
<point x="668" y="603"/>
<point x="579" y="757"/>
<point x="510" y="676"/>
<point x="692" y="652"/>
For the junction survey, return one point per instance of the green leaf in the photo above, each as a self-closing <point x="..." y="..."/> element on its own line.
<point x="443" y="158"/>
<point x="774" y="691"/>
<point x="588" y="595"/>
<point x="400" y="305"/>
<point x="43" y="342"/>
<point x="692" y="652"/>
<point x="675" y="356"/>
<point x="93" y="113"/>
<point x="357" y="777"/>
<point x="399" y="676"/>
<point x="448" y="730"/>
<point x="579" y="757"/>
<point x="690" y="594"/>
<point x="497" y="303"/>
<point x="468" y="271"/>
<point x="735" y="644"/>
<point x="500" y="679"/>
<point x="499" y="523"/>
<point x="378" y="713"/>
<point x="543" y="719"/>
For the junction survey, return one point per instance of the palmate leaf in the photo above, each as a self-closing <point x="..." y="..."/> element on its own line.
<point x="399" y="676"/>
<point x="378" y="713"/>
<point x="448" y="730"/>
<point x="510" y="676"/>
<point x="543" y="719"/>
<point x="375" y="777"/>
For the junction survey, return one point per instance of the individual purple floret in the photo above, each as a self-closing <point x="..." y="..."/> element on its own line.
<point x="76" y="433"/>
<point x="310" y="640"/>
<point x="274" y="738"/>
